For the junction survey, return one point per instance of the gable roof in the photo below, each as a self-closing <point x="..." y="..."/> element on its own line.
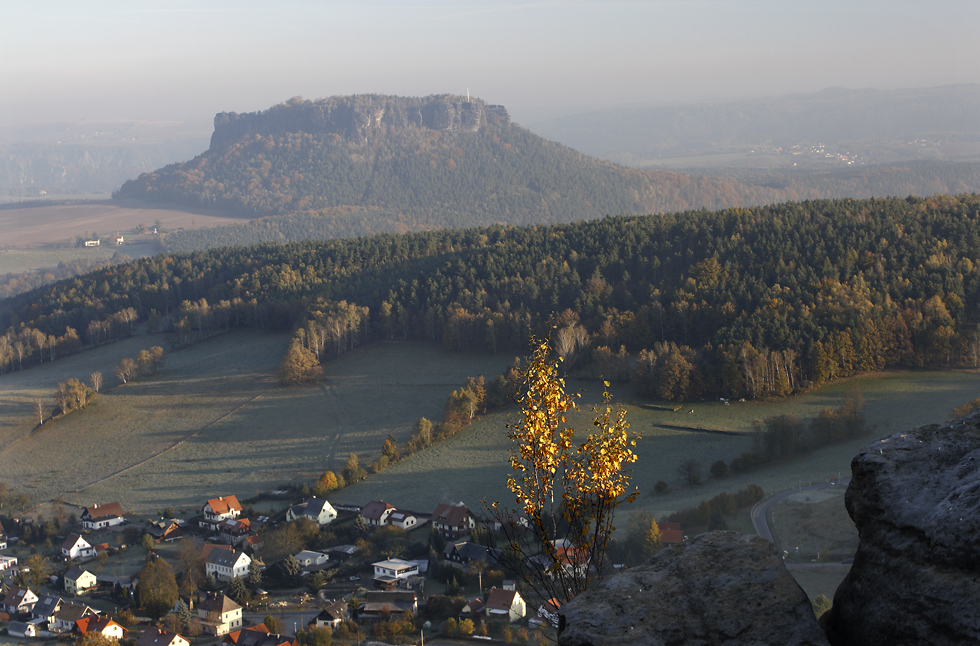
<point x="218" y="603"/>
<point x="15" y="595"/>
<point x="47" y="605"/>
<point x="75" y="572"/>
<point x="500" y="599"/>
<point x="98" y="512"/>
<point x="375" y="509"/>
<point x="96" y="624"/>
<point x="449" y="514"/>
<point x="72" y="540"/>
<point x="400" y="516"/>
<point x="223" y="504"/>
<point x="224" y="558"/>
<point x="154" y="636"/>
<point x="72" y="612"/>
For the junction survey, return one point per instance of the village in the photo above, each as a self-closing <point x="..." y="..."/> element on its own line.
<point x="305" y="574"/>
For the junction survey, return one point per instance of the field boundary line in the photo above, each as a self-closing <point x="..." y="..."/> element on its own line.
<point x="170" y="448"/>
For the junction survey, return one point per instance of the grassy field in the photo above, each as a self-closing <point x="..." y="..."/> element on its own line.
<point x="472" y="466"/>
<point x="29" y="234"/>
<point x="214" y="421"/>
<point x="14" y="261"/>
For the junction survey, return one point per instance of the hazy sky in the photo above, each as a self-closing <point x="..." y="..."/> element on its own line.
<point x="183" y="59"/>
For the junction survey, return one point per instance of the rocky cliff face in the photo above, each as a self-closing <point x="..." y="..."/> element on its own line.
<point x="720" y="588"/>
<point x="356" y="118"/>
<point x="915" y="499"/>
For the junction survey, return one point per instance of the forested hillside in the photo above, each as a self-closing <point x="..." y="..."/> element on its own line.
<point x="741" y="302"/>
<point x="417" y="164"/>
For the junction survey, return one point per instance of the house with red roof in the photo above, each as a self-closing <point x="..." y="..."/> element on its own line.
<point x="218" y="509"/>
<point x="102" y="516"/>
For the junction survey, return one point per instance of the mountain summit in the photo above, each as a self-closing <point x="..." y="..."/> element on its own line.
<point x="417" y="163"/>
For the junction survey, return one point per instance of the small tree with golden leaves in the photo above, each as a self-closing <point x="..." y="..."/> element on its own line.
<point x="567" y="492"/>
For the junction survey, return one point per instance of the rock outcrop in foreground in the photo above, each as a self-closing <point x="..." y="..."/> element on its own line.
<point x="915" y="499"/>
<point x="721" y="588"/>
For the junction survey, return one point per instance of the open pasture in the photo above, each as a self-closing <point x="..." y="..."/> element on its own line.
<point x="473" y="465"/>
<point x="31" y="233"/>
<point x="214" y="421"/>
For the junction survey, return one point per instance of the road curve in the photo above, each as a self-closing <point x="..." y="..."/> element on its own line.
<point x="761" y="509"/>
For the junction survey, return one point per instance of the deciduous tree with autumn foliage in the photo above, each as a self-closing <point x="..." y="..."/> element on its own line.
<point x="567" y="491"/>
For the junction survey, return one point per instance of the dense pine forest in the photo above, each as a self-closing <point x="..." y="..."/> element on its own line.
<point x="741" y="302"/>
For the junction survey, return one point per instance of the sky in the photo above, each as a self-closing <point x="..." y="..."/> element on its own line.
<point x="64" y="60"/>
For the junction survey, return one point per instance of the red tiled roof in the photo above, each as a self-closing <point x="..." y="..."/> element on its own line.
<point x="223" y="504"/>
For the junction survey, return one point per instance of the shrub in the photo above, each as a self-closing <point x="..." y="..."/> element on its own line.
<point x="661" y="487"/>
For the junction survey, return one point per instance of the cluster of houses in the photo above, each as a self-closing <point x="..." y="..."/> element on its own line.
<point x="397" y="583"/>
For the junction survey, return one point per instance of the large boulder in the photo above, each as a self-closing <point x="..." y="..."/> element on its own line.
<point x="721" y="588"/>
<point x="915" y="499"/>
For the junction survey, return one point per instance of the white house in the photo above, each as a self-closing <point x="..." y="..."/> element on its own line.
<point x="403" y="519"/>
<point x="101" y="516"/>
<point x="394" y="570"/>
<point x="315" y="509"/>
<point x="18" y="600"/>
<point x="76" y="547"/>
<point x="377" y="512"/>
<point x="219" y="509"/>
<point x="78" y="581"/>
<point x="309" y="558"/>
<point x="219" y="615"/>
<point x="103" y="625"/>
<point x="7" y="562"/>
<point x="226" y="565"/>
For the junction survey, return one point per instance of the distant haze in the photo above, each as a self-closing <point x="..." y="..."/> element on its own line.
<point x="179" y="60"/>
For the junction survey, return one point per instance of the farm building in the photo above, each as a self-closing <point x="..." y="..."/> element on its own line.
<point x="101" y="516"/>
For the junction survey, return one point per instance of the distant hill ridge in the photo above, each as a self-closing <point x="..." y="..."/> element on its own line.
<point x="417" y="163"/>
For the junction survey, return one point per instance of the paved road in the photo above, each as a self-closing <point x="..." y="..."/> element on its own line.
<point x="761" y="509"/>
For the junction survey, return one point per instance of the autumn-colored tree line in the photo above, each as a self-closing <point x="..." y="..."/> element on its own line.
<point x="747" y="303"/>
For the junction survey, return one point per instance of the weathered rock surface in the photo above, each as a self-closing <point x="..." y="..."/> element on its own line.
<point x="721" y="588"/>
<point x="915" y="499"/>
<point x="356" y="117"/>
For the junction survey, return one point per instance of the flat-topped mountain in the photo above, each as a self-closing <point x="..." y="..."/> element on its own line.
<point x="357" y="118"/>
<point x="417" y="163"/>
